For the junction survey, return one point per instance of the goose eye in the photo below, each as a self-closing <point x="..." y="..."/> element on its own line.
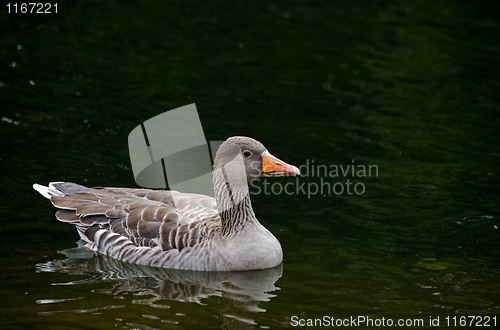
<point x="247" y="153"/>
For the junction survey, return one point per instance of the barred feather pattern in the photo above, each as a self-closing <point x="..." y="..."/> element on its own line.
<point x="147" y="227"/>
<point x="142" y="226"/>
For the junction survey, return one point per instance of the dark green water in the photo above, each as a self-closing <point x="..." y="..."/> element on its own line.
<point x="412" y="87"/>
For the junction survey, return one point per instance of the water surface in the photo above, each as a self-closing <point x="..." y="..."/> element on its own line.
<point x="409" y="87"/>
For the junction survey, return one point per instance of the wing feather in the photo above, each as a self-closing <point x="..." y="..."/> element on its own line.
<point x="164" y="238"/>
<point x="148" y="213"/>
<point x="115" y="213"/>
<point x="149" y="218"/>
<point x="108" y="201"/>
<point x="91" y="208"/>
<point x="67" y="216"/>
<point x="93" y="219"/>
<point x="149" y="229"/>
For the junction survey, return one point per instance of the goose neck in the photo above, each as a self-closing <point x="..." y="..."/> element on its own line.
<point x="233" y="203"/>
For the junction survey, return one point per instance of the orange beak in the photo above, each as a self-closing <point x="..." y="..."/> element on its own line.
<point x="272" y="166"/>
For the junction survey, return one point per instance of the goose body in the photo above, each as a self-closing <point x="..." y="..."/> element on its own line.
<point x="178" y="230"/>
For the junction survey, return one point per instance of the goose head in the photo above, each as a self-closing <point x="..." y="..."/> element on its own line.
<point x="247" y="159"/>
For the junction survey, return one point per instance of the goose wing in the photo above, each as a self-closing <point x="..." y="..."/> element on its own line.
<point x="148" y="218"/>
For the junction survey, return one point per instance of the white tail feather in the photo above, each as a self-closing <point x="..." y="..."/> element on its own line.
<point x="49" y="191"/>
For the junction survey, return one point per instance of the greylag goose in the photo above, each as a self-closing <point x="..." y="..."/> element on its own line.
<point x="178" y="230"/>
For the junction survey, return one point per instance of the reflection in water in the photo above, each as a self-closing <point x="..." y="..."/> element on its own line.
<point x="241" y="292"/>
